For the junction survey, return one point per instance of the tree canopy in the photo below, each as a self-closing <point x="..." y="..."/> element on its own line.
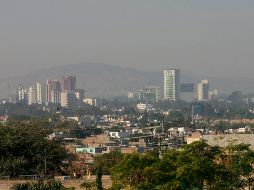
<point x="194" y="166"/>
<point x="26" y="150"/>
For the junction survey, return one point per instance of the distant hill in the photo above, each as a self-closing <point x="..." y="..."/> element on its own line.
<point x="99" y="80"/>
<point x="102" y="80"/>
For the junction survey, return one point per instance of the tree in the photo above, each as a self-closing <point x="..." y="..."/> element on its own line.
<point x="41" y="185"/>
<point x="134" y="170"/>
<point x="242" y="161"/>
<point x="99" y="179"/>
<point x="88" y="185"/>
<point x="195" y="166"/>
<point x="107" y="161"/>
<point x="25" y="150"/>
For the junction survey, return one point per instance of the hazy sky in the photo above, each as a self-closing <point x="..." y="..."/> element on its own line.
<point x="207" y="37"/>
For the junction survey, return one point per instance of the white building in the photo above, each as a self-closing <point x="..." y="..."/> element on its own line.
<point x="41" y="93"/>
<point x="172" y="84"/>
<point x="213" y="94"/>
<point x="121" y="134"/>
<point x="203" y="91"/>
<point x="90" y="101"/>
<point x="22" y="93"/>
<point x="130" y="95"/>
<point x="32" y="95"/>
<point x="143" y="107"/>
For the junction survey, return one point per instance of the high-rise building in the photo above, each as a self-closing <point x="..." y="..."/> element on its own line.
<point x="130" y="95"/>
<point x="41" y="93"/>
<point x="213" y="94"/>
<point x="32" y="95"/>
<point x="172" y="84"/>
<point x="236" y="97"/>
<point x="149" y="94"/>
<point x="80" y="95"/>
<point x="53" y="91"/>
<point x="203" y="91"/>
<point x="187" y="92"/>
<point x="21" y="93"/>
<point x="68" y="99"/>
<point x="68" y="83"/>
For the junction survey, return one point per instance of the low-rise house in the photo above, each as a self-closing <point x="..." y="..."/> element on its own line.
<point x="89" y="150"/>
<point x="120" y="134"/>
<point x="196" y="136"/>
<point x="101" y="140"/>
<point x="128" y="150"/>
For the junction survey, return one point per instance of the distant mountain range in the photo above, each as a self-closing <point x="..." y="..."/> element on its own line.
<point x="102" y="80"/>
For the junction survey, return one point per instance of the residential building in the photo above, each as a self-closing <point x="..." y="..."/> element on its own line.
<point x="130" y="95"/>
<point x="120" y="134"/>
<point x="90" y="101"/>
<point x="149" y="94"/>
<point x="172" y="84"/>
<point x="101" y="140"/>
<point x="68" y="83"/>
<point x="196" y="136"/>
<point x="80" y="95"/>
<point x="32" y="95"/>
<point x="41" y="93"/>
<point x="143" y="107"/>
<point x="53" y="91"/>
<point x="21" y="93"/>
<point x="68" y="99"/>
<point x="203" y="91"/>
<point x="90" y="150"/>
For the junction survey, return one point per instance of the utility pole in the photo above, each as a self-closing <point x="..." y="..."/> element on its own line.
<point x="45" y="163"/>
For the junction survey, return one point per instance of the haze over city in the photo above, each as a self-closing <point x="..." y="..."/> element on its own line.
<point x="120" y="95"/>
<point x="200" y="37"/>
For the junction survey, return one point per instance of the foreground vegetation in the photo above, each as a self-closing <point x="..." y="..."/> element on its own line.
<point x="26" y="150"/>
<point x="41" y="185"/>
<point x="195" y="166"/>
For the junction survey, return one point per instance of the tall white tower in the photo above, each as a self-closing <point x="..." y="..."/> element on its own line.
<point x="203" y="91"/>
<point x="172" y="84"/>
<point x="41" y="93"/>
<point x="32" y="96"/>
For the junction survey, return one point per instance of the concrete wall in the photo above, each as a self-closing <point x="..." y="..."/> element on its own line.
<point x="223" y="140"/>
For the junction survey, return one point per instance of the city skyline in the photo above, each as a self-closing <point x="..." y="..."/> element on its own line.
<point x="117" y="78"/>
<point x="126" y="94"/>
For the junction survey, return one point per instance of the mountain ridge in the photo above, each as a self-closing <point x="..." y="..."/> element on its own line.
<point x="103" y="80"/>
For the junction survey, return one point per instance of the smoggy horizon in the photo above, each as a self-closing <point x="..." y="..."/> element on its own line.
<point x="205" y="38"/>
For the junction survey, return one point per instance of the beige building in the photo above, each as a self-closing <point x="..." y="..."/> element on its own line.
<point x="97" y="141"/>
<point x="41" y="93"/>
<point x="224" y="140"/>
<point x="196" y="136"/>
<point x="90" y="101"/>
<point x="32" y="95"/>
<point x="203" y="91"/>
<point x="68" y="99"/>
